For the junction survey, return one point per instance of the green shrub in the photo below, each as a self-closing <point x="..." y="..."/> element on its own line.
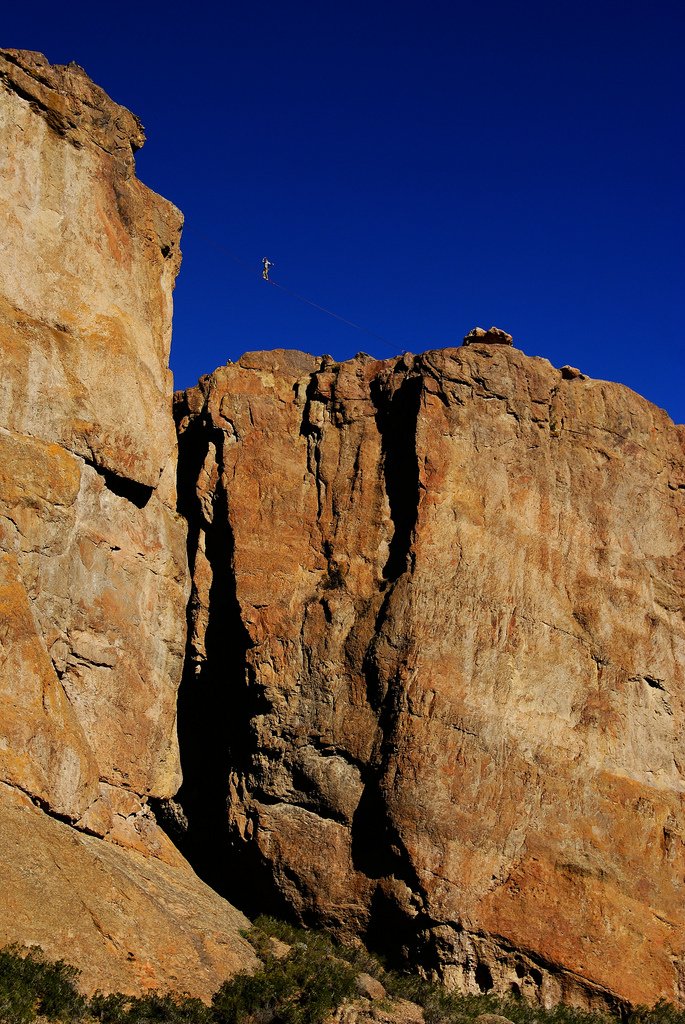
<point x="292" y="934"/>
<point x="111" y="1009"/>
<point x="661" y="1013"/>
<point x="31" y="985"/>
<point x="153" y="1008"/>
<point x="439" y="1006"/>
<point x="357" y="956"/>
<point x="17" y="1000"/>
<point x="300" y="988"/>
<point x="303" y="987"/>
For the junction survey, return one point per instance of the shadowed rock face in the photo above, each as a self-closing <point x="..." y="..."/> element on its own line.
<point x="93" y="569"/>
<point x="437" y="661"/>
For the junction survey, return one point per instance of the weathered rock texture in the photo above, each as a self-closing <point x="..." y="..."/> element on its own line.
<point x="438" y="641"/>
<point x="93" y="570"/>
<point x="130" y="922"/>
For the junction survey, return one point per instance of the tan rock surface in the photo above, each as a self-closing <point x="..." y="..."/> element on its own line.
<point x="446" y="596"/>
<point x="88" y="257"/>
<point x="128" y="922"/>
<point x="43" y="749"/>
<point x="93" y="566"/>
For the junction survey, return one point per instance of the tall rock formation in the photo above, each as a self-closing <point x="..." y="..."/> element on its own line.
<point x="93" y="569"/>
<point x="435" y="674"/>
<point x="438" y="657"/>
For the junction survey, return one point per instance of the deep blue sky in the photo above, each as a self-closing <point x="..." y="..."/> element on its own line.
<point x="420" y="168"/>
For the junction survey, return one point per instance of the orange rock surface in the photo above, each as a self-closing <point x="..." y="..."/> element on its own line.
<point x="438" y="606"/>
<point x="129" y="922"/>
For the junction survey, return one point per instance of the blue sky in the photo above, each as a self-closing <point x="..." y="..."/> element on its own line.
<point x="419" y="168"/>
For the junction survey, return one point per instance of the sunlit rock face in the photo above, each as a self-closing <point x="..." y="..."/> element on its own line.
<point x="129" y="922"/>
<point x="88" y="524"/>
<point x="437" y="661"/>
<point x="93" y="567"/>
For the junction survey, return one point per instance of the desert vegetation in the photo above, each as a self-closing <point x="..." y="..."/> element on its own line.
<point x="305" y="976"/>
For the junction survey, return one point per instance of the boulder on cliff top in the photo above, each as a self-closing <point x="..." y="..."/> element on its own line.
<point x="493" y="336"/>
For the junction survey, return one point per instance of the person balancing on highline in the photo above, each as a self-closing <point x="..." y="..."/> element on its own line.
<point x="267" y="265"/>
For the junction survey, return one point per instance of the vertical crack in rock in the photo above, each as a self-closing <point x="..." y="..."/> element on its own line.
<point x="397" y="417"/>
<point x="211" y="713"/>
<point x="311" y="427"/>
<point x="219" y="696"/>
<point x="377" y="848"/>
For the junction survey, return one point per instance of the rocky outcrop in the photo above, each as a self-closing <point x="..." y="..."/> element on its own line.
<point x="130" y="922"/>
<point x="437" y="661"/>
<point x="493" y="336"/>
<point x="433" y="692"/>
<point x="93" y="569"/>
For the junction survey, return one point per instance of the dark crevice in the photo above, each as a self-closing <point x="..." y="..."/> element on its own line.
<point x="376" y="686"/>
<point x="311" y="394"/>
<point x="313" y="435"/>
<point x="171" y="817"/>
<point x="377" y="848"/>
<point x="217" y="701"/>
<point x="335" y="577"/>
<point x="138" y="494"/>
<point x="396" y="417"/>
<point x="205" y="695"/>
<point x="483" y="977"/>
<point x="391" y="932"/>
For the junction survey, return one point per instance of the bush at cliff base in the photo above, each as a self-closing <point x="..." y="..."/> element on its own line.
<point x="301" y="988"/>
<point x="154" y="1008"/>
<point x="31" y="985"/>
<point x="304" y="986"/>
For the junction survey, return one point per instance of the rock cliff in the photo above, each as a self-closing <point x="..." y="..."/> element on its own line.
<point x="93" y="568"/>
<point x="436" y="662"/>
<point x="434" y="677"/>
